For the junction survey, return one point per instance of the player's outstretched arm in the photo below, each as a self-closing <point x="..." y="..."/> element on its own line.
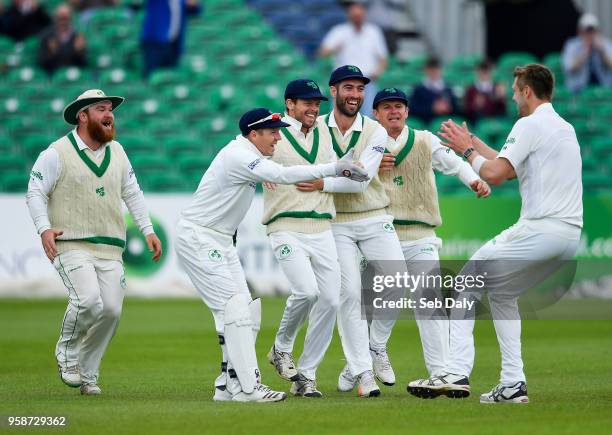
<point x="262" y="170"/>
<point x="494" y="171"/>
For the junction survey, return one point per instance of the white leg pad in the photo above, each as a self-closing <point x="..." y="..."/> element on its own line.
<point x="255" y="309"/>
<point x="239" y="341"/>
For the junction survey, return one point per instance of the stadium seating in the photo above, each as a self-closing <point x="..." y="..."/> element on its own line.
<point x="173" y="124"/>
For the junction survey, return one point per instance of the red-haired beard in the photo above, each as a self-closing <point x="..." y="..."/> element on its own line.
<point x="99" y="133"/>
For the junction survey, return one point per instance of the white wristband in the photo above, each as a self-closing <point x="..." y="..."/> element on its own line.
<point x="477" y="164"/>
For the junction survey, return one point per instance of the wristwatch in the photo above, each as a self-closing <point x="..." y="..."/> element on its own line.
<point x="468" y="152"/>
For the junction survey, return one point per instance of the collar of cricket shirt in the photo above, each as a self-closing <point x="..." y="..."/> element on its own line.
<point x="406" y="141"/>
<point x="355" y="131"/>
<point x="80" y="147"/>
<point x="311" y="156"/>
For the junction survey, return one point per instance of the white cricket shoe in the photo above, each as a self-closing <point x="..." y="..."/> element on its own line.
<point x="221" y="394"/>
<point x="346" y="381"/>
<point x="70" y="376"/>
<point x="366" y="385"/>
<point x="284" y="364"/>
<point x="449" y="385"/>
<point x="516" y="393"/>
<point x="305" y="387"/>
<point x="382" y="366"/>
<point x="261" y="394"/>
<point x="90" y="390"/>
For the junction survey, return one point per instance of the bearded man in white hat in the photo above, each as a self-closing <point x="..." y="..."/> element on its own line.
<point x="75" y="196"/>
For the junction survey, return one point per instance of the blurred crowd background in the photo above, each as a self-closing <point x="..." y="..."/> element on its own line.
<point x="190" y="68"/>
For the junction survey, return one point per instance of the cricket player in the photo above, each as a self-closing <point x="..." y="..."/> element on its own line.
<point x="361" y="224"/>
<point x="299" y="227"/>
<point x="75" y="195"/>
<point x="206" y="252"/>
<point x="406" y="173"/>
<point x="543" y="152"/>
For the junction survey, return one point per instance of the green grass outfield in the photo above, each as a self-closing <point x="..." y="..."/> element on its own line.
<point x="157" y="378"/>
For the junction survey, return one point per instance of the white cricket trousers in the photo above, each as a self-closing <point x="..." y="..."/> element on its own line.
<point x="96" y="288"/>
<point x="310" y="263"/>
<point x="536" y="240"/>
<point x="422" y="259"/>
<point x="211" y="261"/>
<point x="375" y="237"/>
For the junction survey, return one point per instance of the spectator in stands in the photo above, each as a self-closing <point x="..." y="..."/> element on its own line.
<point x="433" y="97"/>
<point x="358" y="43"/>
<point x="163" y="32"/>
<point x="61" y="45"/>
<point x="587" y="58"/>
<point x="485" y="97"/>
<point x="22" y="19"/>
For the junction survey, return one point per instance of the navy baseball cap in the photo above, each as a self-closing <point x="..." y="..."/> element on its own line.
<point x="259" y="118"/>
<point x="346" y="72"/>
<point x="389" y="94"/>
<point x="304" y="89"/>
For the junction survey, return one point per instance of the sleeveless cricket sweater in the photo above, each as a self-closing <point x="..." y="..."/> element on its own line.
<point x="411" y="187"/>
<point x="86" y="202"/>
<point x="288" y="209"/>
<point x="351" y="207"/>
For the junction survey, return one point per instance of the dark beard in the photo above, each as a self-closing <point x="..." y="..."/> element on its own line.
<point x="341" y="105"/>
<point x="99" y="134"/>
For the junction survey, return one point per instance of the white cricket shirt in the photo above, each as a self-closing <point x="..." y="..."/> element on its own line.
<point x="544" y="151"/>
<point x="227" y="188"/>
<point x="364" y="48"/>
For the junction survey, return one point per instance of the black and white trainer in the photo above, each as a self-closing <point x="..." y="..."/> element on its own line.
<point x="449" y="385"/>
<point x="305" y="387"/>
<point x="261" y="394"/>
<point x="516" y="393"/>
<point x="284" y="364"/>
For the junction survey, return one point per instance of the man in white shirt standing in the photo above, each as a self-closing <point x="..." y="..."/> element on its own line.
<point x="206" y="252"/>
<point x="75" y="196"/>
<point x="358" y="43"/>
<point x="542" y="151"/>
<point x="406" y="173"/>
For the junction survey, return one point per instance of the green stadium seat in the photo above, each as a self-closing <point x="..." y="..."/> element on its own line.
<point x="72" y="76"/>
<point x="160" y="181"/>
<point x="26" y="75"/>
<point x="193" y="163"/>
<point x="135" y="144"/>
<point x="33" y="145"/>
<point x="602" y="148"/>
<point x="464" y="63"/>
<point x="493" y="131"/>
<point x="181" y="145"/>
<point x="508" y="61"/>
<point x="14" y="181"/>
<point x="145" y="162"/>
<point x="117" y="76"/>
<point x="596" y="181"/>
<point x="13" y="162"/>
<point x="168" y="77"/>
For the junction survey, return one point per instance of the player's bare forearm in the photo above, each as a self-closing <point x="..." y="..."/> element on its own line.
<point x="493" y="171"/>
<point x="483" y="149"/>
